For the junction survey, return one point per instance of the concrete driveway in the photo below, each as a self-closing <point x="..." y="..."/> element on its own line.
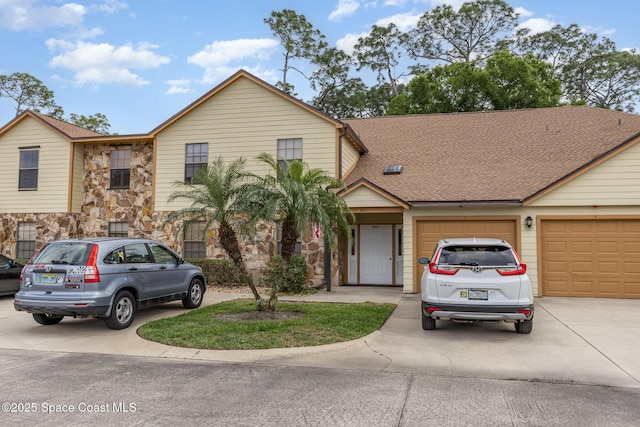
<point x="574" y="340"/>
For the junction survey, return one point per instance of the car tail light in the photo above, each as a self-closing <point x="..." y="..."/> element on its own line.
<point x="522" y="268"/>
<point x="91" y="273"/>
<point x="525" y="312"/>
<point x="433" y="268"/>
<point x="432" y="309"/>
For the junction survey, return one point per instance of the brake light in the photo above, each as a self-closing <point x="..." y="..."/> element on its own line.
<point x="91" y="273"/>
<point x="433" y="268"/>
<point x="432" y="309"/>
<point x="525" y="312"/>
<point x="522" y="268"/>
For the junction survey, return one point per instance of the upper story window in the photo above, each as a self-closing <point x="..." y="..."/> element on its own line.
<point x="120" y="168"/>
<point x="28" y="177"/>
<point x="289" y="149"/>
<point x="196" y="157"/>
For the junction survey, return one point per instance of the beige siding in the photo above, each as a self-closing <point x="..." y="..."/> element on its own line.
<point x="364" y="197"/>
<point x="614" y="182"/>
<point x="349" y="157"/>
<point x="53" y="169"/>
<point x="78" y="175"/>
<point x="243" y="119"/>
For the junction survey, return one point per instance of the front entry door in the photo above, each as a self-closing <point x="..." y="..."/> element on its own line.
<point x="376" y="254"/>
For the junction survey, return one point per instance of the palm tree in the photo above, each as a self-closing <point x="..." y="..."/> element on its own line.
<point x="299" y="197"/>
<point x="217" y="198"/>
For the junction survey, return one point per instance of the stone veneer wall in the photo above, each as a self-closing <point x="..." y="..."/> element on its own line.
<point x="101" y="205"/>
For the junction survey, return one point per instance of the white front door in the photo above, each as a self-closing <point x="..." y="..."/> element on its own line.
<point x="376" y="254"/>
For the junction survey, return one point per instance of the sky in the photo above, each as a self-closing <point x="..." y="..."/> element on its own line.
<point x="139" y="62"/>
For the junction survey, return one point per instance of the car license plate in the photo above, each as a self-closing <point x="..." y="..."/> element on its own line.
<point x="47" y="278"/>
<point x="478" y="295"/>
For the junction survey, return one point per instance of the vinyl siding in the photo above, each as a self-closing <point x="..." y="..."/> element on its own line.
<point x="53" y="169"/>
<point x="613" y="182"/>
<point x="243" y="119"/>
<point x="349" y="157"/>
<point x="364" y="197"/>
<point x="78" y="176"/>
<point x="528" y="237"/>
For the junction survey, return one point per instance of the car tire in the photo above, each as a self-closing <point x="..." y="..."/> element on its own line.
<point x="194" y="294"/>
<point x="122" y="312"/>
<point x="428" y="323"/>
<point x="47" y="319"/>
<point x="524" y="327"/>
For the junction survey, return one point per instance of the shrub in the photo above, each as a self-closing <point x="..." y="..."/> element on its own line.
<point x="293" y="280"/>
<point x="220" y="272"/>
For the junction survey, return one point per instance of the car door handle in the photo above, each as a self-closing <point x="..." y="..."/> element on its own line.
<point x="163" y="267"/>
<point x="133" y="269"/>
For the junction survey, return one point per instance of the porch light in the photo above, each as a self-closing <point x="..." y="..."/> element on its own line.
<point x="528" y="221"/>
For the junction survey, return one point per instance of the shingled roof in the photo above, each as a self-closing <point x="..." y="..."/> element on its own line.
<point x="70" y="130"/>
<point x="486" y="157"/>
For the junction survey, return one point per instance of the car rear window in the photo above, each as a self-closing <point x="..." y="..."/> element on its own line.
<point x="477" y="255"/>
<point x="72" y="253"/>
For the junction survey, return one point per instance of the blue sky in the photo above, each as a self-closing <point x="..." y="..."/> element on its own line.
<point x="140" y="61"/>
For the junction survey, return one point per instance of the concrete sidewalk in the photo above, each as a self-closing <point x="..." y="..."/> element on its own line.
<point x="574" y="340"/>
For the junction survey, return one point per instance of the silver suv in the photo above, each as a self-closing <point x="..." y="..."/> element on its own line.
<point x="109" y="278"/>
<point x="476" y="280"/>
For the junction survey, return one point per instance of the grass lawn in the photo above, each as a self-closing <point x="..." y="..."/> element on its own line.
<point x="220" y="326"/>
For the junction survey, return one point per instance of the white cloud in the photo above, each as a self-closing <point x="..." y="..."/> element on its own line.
<point x="343" y="9"/>
<point x="20" y="15"/>
<point x="177" y="87"/>
<point x="523" y="12"/>
<point x="537" y="25"/>
<point x="222" y="58"/>
<point x="112" y="6"/>
<point x="103" y="63"/>
<point x="347" y="42"/>
<point x="404" y="21"/>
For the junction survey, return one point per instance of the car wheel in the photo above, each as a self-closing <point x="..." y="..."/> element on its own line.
<point x="194" y="294"/>
<point x="428" y="323"/>
<point x="122" y="312"/>
<point x="47" y="319"/>
<point x="524" y="327"/>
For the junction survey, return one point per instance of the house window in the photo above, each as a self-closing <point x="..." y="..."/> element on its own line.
<point x="196" y="158"/>
<point x="28" y="178"/>
<point x="120" y="168"/>
<point x="194" y="244"/>
<point x="26" y="242"/>
<point x="289" y="149"/>
<point x="298" y="249"/>
<point x="118" y="229"/>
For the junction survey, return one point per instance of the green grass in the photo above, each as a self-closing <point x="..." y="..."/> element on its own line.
<point x="322" y="323"/>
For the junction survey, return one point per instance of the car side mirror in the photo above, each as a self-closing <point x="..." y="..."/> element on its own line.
<point x="180" y="260"/>
<point x="423" y="260"/>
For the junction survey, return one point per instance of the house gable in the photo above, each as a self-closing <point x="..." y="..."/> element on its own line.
<point x="612" y="181"/>
<point x="52" y="193"/>
<point x="363" y="194"/>
<point x="241" y="119"/>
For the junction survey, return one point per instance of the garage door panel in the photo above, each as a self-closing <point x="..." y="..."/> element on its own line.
<point x="429" y="232"/>
<point x="601" y="258"/>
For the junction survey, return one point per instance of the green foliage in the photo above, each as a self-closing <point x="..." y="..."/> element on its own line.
<point x="220" y="272"/>
<point x="380" y="52"/>
<point x="97" y="122"/>
<point x="290" y="278"/>
<point x="29" y="93"/>
<point x="317" y="324"/>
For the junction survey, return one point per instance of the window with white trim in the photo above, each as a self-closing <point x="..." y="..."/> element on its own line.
<point x="289" y="149"/>
<point x="118" y="229"/>
<point x="120" y="169"/>
<point x="28" y="175"/>
<point x="194" y="240"/>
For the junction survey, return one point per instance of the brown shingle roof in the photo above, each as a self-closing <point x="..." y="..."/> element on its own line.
<point x="499" y="156"/>
<point x="72" y="131"/>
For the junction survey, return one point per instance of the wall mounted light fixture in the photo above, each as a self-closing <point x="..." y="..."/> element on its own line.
<point x="528" y="221"/>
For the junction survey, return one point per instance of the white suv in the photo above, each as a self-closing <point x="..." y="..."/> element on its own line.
<point x="476" y="280"/>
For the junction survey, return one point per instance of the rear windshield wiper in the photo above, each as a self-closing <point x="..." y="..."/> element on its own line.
<point x="59" y="261"/>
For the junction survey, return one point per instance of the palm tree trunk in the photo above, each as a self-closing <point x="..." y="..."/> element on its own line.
<point x="230" y="244"/>
<point x="289" y="240"/>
